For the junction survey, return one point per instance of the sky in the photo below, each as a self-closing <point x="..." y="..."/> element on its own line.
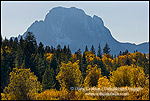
<point x="128" y="21"/>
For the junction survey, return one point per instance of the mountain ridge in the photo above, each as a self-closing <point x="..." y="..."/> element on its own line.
<point x="74" y="27"/>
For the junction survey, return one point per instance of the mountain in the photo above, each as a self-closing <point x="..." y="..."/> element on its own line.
<point x="74" y="27"/>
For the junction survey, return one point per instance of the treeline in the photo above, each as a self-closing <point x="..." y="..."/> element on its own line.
<point x="28" y="70"/>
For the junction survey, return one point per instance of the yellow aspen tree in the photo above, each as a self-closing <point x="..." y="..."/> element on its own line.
<point x="69" y="75"/>
<point x="92" y="77"/>
<point x="104" y="82"/>
<point x="23" y="84"/>
<point x="128" y="76"/>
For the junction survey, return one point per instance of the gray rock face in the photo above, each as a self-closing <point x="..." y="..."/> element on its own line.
<point x="72" y="26"/>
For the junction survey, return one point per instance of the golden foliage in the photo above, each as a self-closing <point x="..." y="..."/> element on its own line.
<point x="128" y="76"/>
<point x="107" y="62"/>
<point x="124" y="59"/>
<point x="147" y="56"/>
<point x="51" y="94"/>
<point x="7" y="49"/>
<point x="92" y="77"/>
<point x="1" y="51"/>
<point x="3" y="97"/>
<point x="49" y="56"/>
<point x="89" y="68"/>
<point x="107" y="56"/>
<point x="69" y="75"/>
<point x="104" y="82"/>
<point x="97" y="58"/>
<point x="89" y="56"/>
<point x="137" y="54"/>
<point x="2" y="54"/>
<point x="145" y="91"/>
<point x="23" y="83"/>
<point x="74" y="57"/>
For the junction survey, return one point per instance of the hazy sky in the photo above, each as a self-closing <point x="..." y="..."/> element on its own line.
<point x="128" y="21"/>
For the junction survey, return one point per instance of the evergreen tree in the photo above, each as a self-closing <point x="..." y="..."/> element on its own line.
<point x="93" y="49"/>
<point x="128" y="61"/>
<point x="101" y="65"/>
<point x="83" y="68"/>
<point x="112" y="56"/>
<point x="78" y="52"/>
<point x="52" y="49"/>
<point x="58" y="53"/>
<point x="68" y="53"/>
<point x="40" y="66"/>
<point x="41" y="49"/>
<point x="11" y="42"/>
<point x="30" y="46"/>
<point x="7" y="63"/>
<point x="1" y="39"/>
<point x="47" y="49"/>
<point x="124" y="53"/>
<point x="106" y="49"/>
<point x="59" y="48"/>
<point x="55" y="66"/>
<point x="19" y="60"/>
<point x="15" y="44"/>
<point x="19" y="57"/>
<point x="5" y="69"/>
<point x="99" y="54"/>
<point x="65" y="49"/>
<point x="30" y="43"/>
<point x="115" y="56"/>
<point x="5" y="43"/>
<point x="21" y="43"/>
<point x="86" y="49"/>
<point x="120" y="53"/>
<point x="145" y="64"/>
<point x="48" y="79"/>
<point x="142" y="61"/>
